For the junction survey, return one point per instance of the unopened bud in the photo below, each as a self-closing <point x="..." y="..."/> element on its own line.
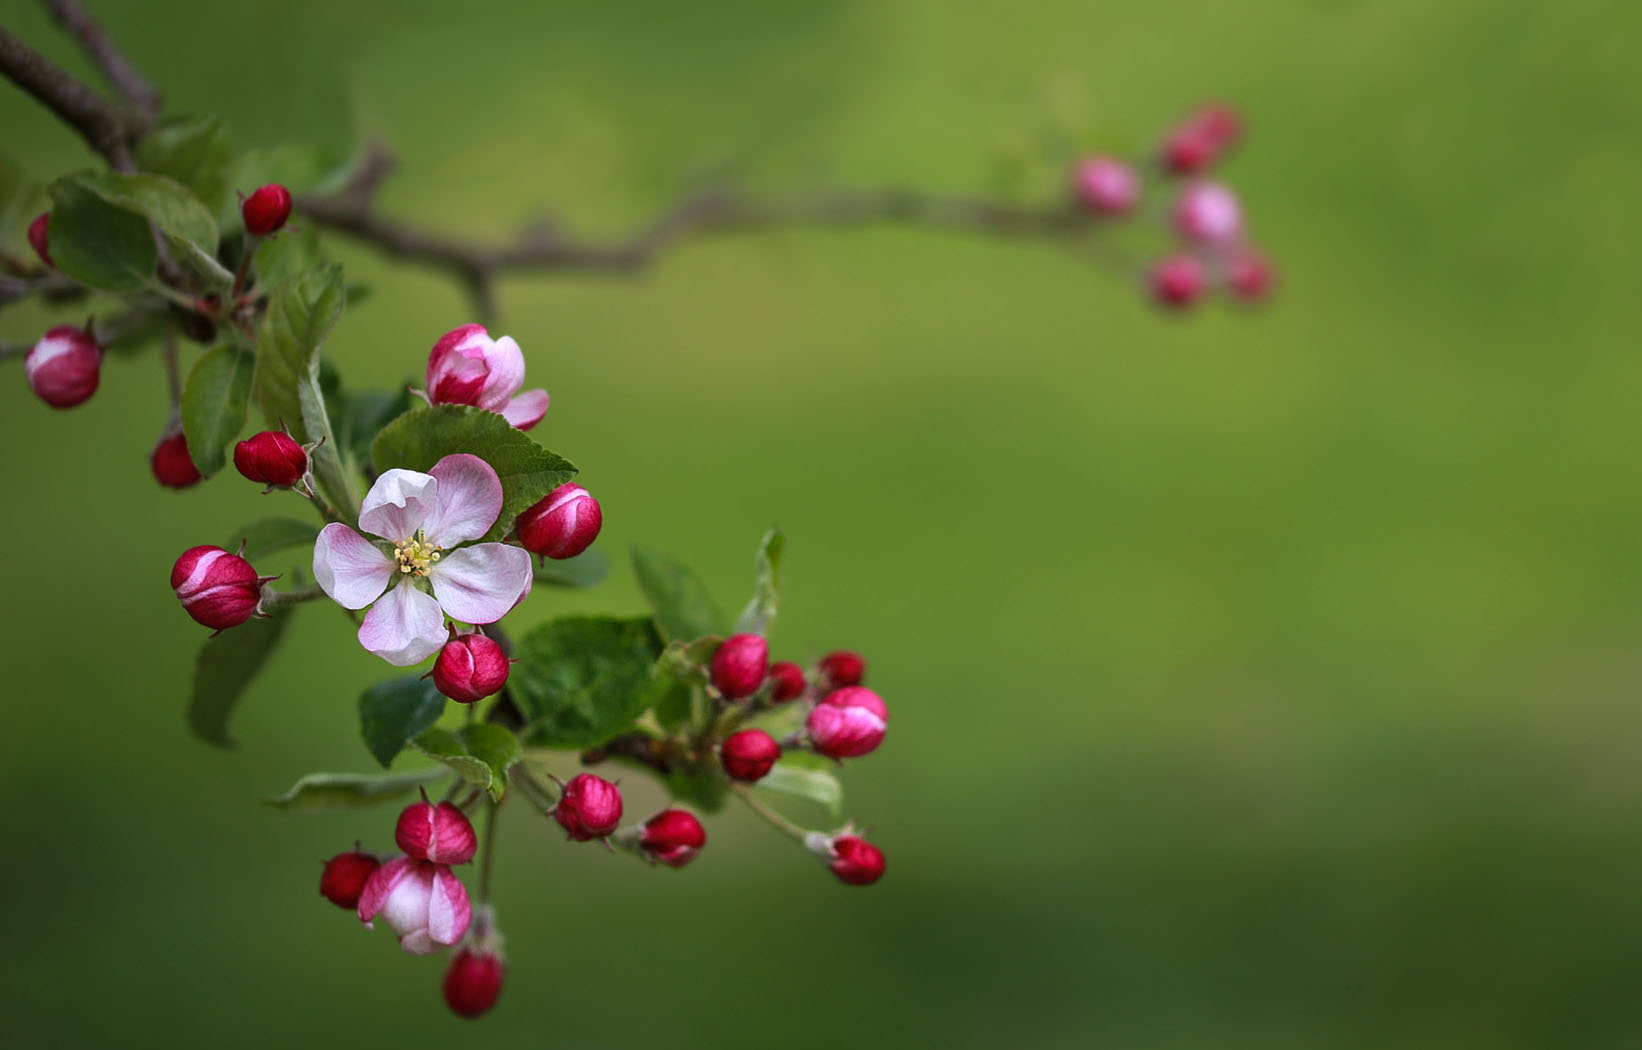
<point x="473" y="982"/>
<point x="673" y="836"/>
<point x="1177" y="281"/>
<point x="749" y="754"/>
<point x="38" y="230"/>
<point x="562" y="525"/>
<point x="216" y="588"/>
<point x="842" y="668"/>
<point x="787" y="678"/>
<point x="272" y="457"/>
<point x="739" y="664"/>
<point x="1250" y="276"/>
<point x="345" y="876"/>
<point x="266" y="210"/>
<point x="848" y="723"/>
<point x="856" y="861"/>
<point x="589" y="808"/>
<point x="1208" y="213"/>
<point x="1106" y="186"/>
<point x="64" y="366"/>
<point x="439" y="833"/>
<point x="470" y="667"/>
<point x="172" y="465"/>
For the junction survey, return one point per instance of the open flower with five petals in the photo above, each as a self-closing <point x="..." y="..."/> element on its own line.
<point x="429" y="522"/>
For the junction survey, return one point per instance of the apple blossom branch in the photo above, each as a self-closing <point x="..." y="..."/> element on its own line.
<point x="109" y="128"/>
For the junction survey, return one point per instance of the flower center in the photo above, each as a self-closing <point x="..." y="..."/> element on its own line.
<point x="416" y="555"/>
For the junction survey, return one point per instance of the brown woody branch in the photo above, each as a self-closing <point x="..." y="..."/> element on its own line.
<point x="121" y="75"/>
<point x="108" y="128"/>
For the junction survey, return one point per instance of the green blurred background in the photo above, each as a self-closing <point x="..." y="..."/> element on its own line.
<point x="1258" y="681"/>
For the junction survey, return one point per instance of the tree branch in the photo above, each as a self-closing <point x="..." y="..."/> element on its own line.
<point x="107" y="128"/>
<point x="121" y="75"/>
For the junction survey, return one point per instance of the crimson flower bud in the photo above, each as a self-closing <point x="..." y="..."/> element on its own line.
<point x="1105" y="185"/>
<point x="37" y="237"/>
<point x="848" y="723"/>
<point x="1188" y="151"/>
<point x="470" y="667"/>
<point x="1208" y="213"/>
<point x="440" y="834"/>
<point x="266" y="210"/>
<point x="64" y="366"/>
<point x="739" y="664"/>
<point x="1219" y="124"/>
<point x="1250" y="276"/>
<point x="562" y="525"/>
<point x="674" y="837"/>
<point x="1177" y="281"/>
<point x="345" y="876"/>
<point x="473" y="982"/>
<point x="271" y="457"/>
<point x="788" y="679"/>
<point x="856" y="861"/>
<point x="842" y="668"/>
<point x="172" y="465"/>
<point x="216" y="588"/>
<point x="589" y="808"/>
<point x="749" y="754"/>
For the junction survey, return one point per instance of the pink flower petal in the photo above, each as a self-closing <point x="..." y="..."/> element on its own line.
<point x="398" y="504"/>
<point x="380" y="886"/>
<point x="482" y="583"/>
<point x="507" y="373"/>
<point x="417" y="942"/>
<point x="467" y="502"/>
<point x="526" y="410"/>
<point x="448" y="909"/>
<point x="349" y="568"/>
<point x="404" y="627"/>
<point x="458" y="366"/>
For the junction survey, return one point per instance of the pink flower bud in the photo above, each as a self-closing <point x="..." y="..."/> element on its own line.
<point x="467" y="367"/>
<point x="1105" y="185"/>
<point x="589" y="808"/>
<point x="562" y="525"/>
<point x="272" y="458"/>
<point x="1177" y="281"/>
<point x="37" y="237"/>
<point x="1188" y="151"/>
<point x="1220" y="124"/>
<point x="788" y="679"/>
<point x="1250" y="276"/>
<point x="739" y="664"/>
<point x="172" y="465"/>
<point x="266" y="210"/>
<point x="439" y="833"/>
<point x="217" y="589"/>
<point x="473" y="982"/>
<point x="1208" y="213"/>
<point x="63" y="367"/>
<point x="841" y="668"/>
<point x="470" y="667"/>
<point x="674" y="837"/>
<point x="749" y="754"/>
<point x="848" y="723"/>
<point x="423" y="902"/>
<point x="856" y="861"/>
<point x="345" y="876"/>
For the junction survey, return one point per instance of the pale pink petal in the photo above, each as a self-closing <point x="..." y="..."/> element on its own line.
<point x="467" y="503"/>
<point x="349" y="567"/>
<point x="398" y="504"/>
<point x="380" y="885"/>
<point x="482" y="583"/>
<point x="507" y="373"/>
<point x="448" y="909"/>
<point x="457" y="366"/>
<point x="404" y="627"/>
<point x="417" y="942"/>
<point x="526" y="410"/>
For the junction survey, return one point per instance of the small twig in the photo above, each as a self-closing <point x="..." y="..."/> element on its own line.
<point x="108" y="128"/>
<point x="121" y="75"/>
<point x="173" y="373"/>
<point x="780" y="823"/>
<point x="272" y="598"/>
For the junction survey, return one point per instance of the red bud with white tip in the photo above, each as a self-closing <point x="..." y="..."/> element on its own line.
<point x="562" y="525"/>
<point x="749" y="754"/>
<point x="739" y="664"/>
<point x="473" y="982"/>
<point x="266" y="210"/>
<point x="673" y="837"/>
<point x="344" y="877"/>
<point x="439" y="833"/>
<point x="173" y="467"/>
<point x="589" y="808"/>
<point x="470" y="667"/>
<point x="216" y="588"/>
<point x="64" y="366"/>
<point x="848" y="723"/>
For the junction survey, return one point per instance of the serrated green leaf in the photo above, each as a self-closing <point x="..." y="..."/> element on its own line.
<point x="301" y="313"/>
<point x="683" y="608"/>
<point x="760" y="612"/>
<point x="293" y="252"/>
<point x="268" y="535"/>
<point x="422" y="437"/>
<point x="816" y="785"/>
<point x="581" y="680"/>
<point x="194" y="152"/>
<point x="351" y="790"/>
<point x="226" y="665"/>
<point x="394" y="712"/>
<point x="214" y="405"/>
<point x="481" y="754"/>
<point x="97" y="243"/>
<point x="584" y="570"/>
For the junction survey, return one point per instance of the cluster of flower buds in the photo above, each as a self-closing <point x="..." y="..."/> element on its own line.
<point x="218" y="589"/>
<point x="1205" y="217"/>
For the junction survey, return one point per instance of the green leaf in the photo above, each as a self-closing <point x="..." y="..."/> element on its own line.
<point x="365" y="413"/>
<point x="422" y="437"/>
<point x="687" y="661"/>
<point x="760" y="612"/>
<point x="481" y="754"/>
<point x="584" y="570"/>
<point x="394" y="712"/>
<point x="816" y="785"/>
<point x="281" y="258"/>
<point x="703" y="787"/>
<point x="97" y="243"/>
<point x="214" y="405"/>
<point x="581" y="680"/>
<point x="676" y="707"/>
<point x="267" y="535"/>
<point x="351" y="790"/>
<point x="226" y="665"/>
<point x="186" y="224"/>
<point x="300" y="315"/>
<point x="684" y="610"/>
<point x="194" y="152"/>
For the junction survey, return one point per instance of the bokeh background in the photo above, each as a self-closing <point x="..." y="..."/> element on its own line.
<point x="1259" y="680"/>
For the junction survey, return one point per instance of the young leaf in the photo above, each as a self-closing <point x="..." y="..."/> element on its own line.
<point x="481" y="754"/>
<point x="351" y="790"/>
<point x="225" y="666"/>
<point x="214" y="405"/>
<point x="816" y="785"/>
<point x="194" y="152"/>
<point x="281" y="258"/>
<point x="394" y="712"/>
<point x="300" y="315"/>
<point x="581" y="680"/>
<point x="584" y="570"/>
<point x="97" y="243"/>
<point x="267" y="535"/>
<point x="187" y="225"/>
<point x="760" y="612"/>
<point x="675" y="708"/>
<point x="422" y="437"/>
<point x="684" y="610"/>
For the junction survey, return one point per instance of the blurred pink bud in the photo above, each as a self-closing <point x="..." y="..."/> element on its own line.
<point x="38" y="230"/>
<point x="1177" y="281"/>
<point x="470" y="667"/>
<point x="1106" y="186"/>
<point x="674" y="837"/>
<point x="217" y="589"/>
<point x="788" y="679"/>
<point x="266" y="210"/>
<point x="473" y="982"/>
<point x="272" y="458"/>
<point x="562" y="525"/>
<point x="423" y="902"/>
<point x="344" y="877"/>
<point x="589" y="808"/>
<point x="439" y="833"/>
<point x="1208" y="213"/>
<point x="856" y="861"/>
<point x="739" y="664"/>
<point x="63" y="367"/>
<point x="173" y="467"/>
<point x="749" y="754"/>
<point x="841" y="668"/>
<point x="1250" y="276"/>
<point x="848" y="723"/>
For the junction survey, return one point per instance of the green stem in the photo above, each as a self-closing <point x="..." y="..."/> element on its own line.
<point x="776" y="820"/>
<point x="270" y="598"/>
